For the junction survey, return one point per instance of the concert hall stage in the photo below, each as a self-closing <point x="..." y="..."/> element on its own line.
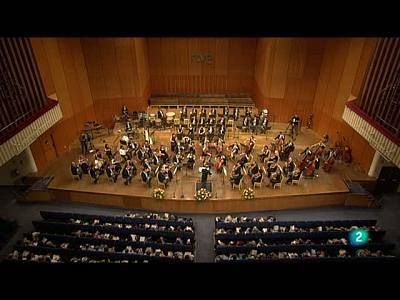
<point x="328" y="189"/>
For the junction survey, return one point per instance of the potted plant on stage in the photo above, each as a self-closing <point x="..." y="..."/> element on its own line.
<point x="202" y="194"/>
<point x="248" y="194"/>
<point x="158" y="193"/>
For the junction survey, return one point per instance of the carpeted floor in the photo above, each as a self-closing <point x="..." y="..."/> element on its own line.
<point x="388" y="217"/>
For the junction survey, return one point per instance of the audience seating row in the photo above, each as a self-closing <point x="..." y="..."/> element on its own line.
<point x="325" y="240"/>
<point x="145" y="219"/>
<point x="68" y="237"/>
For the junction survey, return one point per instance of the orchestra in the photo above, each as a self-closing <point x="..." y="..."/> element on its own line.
<point x="207" y="131"/>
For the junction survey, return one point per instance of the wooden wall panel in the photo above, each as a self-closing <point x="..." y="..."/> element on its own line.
<point x="172" y="70"/>
<point x="286" y="75"/>
<point x="118" y="74"/>
<point x="343" y="60"/>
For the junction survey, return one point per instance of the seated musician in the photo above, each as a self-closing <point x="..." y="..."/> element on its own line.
<point x="193" y="120"/>
<point x="220" y="146"/>
<point x="193" y="112"/>
<point x="286" y="150"/>
<point x="146" y="164"/>
<point x="202" y="134"/>
<point x="210" y="133"/>
<point x="235" y="178"/>
<point x="116" y="162"/>
<point x="177" y="160"/>
<point x="246" y="122"/>
<point x="202" y="121"/>
<point x="192" y="148"/>
<point x="108" y="151"/>
<point x="256" y="177"/>
<point x="271" y="169"/>
<point x="237" y="169"/>
<point x="111" y="173"/>
<point x="123" y="152"/>
<point x="83" y="164"/>
<point x="127" y="173"/>
<point x="205" y="151"/>
<point x="146" y="176"/>
<point x="236" y="114"/>
<point x="94" y="173"/>
<point x="265" y="153"/>
<point x="97" y="155"/>
<point x="128" y="127"/>
<point x="160" y="114"/>
<point x="124" y="140"/>
<point x="289" y="167"/>
<point x="133" y="146"/>
<point x="162" y="176"/>
<point x="124" y="110"/>
<point x="244" y="159"/>
<point x="211" y="120"/>
<point x="203" y="113"/>
<point x="276" y="177"/>
<point x="191" y="131"/>
<point x="264" y="125"/>
<point x="250" y="145"/>
<point x="186" y="141"/>
<point x="141" y="154"/>
<point x="294" y="176"/>
<point x="221" y="133"/>
<point x="76" y="170"/>
<point x="214" y="112"/>
<point x="254" y="124"/>
<point x="183" y="112"/>
<point x="253" y="169"/>
<point x="191" y="158"/>
<point x="221" y="162"/>
<point x="280" y="138"/>
<point x="179" y="133"/>
<point x="235" y="148"/>
<point x="174" y="143"/>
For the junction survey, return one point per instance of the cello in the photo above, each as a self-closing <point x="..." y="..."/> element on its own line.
<point x="328" y="164"/>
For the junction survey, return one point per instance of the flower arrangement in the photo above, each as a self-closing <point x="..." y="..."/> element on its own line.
<point x="202" y="194"/>
<point x="248" y="194"/>
<point x="158" y="193"/>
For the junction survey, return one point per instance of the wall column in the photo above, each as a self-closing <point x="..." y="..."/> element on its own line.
<point x="376" y="165"/>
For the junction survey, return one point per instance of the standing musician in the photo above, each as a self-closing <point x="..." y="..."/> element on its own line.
<point x="265" y="153"/>
<point x="160" y="114"/>
<point x="294" y="125"/>
<point x="111" y="172"/>
<point x="174" y="143"/>
<point x="108" y="151"/>
<point x="235" y="148"/>
<point x="84" y="139"/>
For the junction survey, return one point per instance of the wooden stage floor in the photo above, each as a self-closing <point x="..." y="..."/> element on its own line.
<point x="327" y="189"/>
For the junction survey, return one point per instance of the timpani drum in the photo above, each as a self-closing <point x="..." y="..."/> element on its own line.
<point x="170" y="117"/>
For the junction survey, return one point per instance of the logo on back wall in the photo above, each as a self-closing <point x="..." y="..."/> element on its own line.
<point x="203" y="58"/>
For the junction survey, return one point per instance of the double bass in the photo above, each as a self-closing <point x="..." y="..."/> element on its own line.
<point x="328" y="164"/>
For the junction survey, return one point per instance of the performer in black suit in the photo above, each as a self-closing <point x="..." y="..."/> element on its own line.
<point x="146" y="176"/>
<point x="205" y="171"/>
<point x="84" y="139"/>
<point x="94" y="173"/>
<point x="76" y="170"/>
<point x="235" y="178"/>
<point x="256" y="177"/>
<point x="111" y="173"/>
